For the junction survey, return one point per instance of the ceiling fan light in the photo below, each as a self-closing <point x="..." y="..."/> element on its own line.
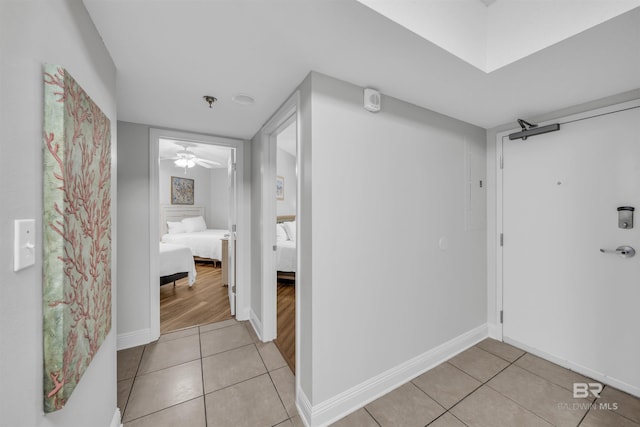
<point x="190" y="163"/>
<point x="181" y="163"/>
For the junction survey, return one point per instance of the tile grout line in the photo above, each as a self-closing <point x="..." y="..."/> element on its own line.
<point x="135" y="376"/>
<point x="507" y="397"/>
<point x="371" y="415"/>
<point x="204" y="399"/>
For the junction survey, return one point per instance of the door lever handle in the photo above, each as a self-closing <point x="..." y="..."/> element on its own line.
<point x="622" y="251"/>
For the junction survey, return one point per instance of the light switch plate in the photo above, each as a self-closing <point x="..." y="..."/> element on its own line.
<point x="24" y="247"/>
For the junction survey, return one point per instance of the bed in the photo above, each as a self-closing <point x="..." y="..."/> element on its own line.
<point x="204" y="243"/>
<point x="176" y="262"/>
<point x="286" y="254"/>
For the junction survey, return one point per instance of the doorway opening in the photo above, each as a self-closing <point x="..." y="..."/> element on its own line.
<point x="286" y="240"/>
<point x="193" y="199"/>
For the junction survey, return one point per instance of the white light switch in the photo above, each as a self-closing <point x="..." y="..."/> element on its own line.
<point x="24" y="247"/>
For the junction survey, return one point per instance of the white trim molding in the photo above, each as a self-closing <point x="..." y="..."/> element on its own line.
<point x="134" y="339"/>
<point x="116" y="420"/>
<point x="256" y="324"/>
<point x="339" y="406"/>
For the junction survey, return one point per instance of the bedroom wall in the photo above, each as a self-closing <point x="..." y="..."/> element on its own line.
<point x="396" y="271"/>
<point x="286" y="167"/>
<point x="33" y="33"/>
<point x="202" y="186"/>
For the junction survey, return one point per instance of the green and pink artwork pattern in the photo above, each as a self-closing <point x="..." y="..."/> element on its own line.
<point x="76" y="234"/>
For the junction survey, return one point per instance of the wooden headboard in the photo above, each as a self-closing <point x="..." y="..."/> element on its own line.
<point x="177" y="213"/>
<point x="285" y="218"/>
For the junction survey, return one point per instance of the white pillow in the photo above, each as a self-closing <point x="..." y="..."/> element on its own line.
<point x="175" y="227"/>
<point x="290" y="228"/>
<point x="193" y="224"/>
<point x="281" y="233"/>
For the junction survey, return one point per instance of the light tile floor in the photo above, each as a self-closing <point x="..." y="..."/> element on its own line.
<point x="221" y="375"/>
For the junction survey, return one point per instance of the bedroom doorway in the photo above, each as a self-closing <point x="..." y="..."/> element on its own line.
<point x="194" y="207"/>
<point x="196" y="188"/>
<point x="286" y="240"/>
<point x="280" y="207"/>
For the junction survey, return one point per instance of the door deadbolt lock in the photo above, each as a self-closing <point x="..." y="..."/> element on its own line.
<point x="625" y="217"/>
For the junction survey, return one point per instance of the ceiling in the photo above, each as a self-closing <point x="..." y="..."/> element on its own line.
<point x="169" y="148"/>
<point x="490" y="38"/>
<point x="170" y="53"/>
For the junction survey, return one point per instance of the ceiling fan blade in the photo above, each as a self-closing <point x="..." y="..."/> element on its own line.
<point x="203" y="164"/>
<point x="211" y="162"/>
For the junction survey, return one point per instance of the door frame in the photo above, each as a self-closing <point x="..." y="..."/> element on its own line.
<point x="497" y="331"/>
<point x="288" y="112"/>
<point x="242" y="217"/>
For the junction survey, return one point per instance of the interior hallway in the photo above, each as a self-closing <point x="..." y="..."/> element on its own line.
<point x="221" y="375"/>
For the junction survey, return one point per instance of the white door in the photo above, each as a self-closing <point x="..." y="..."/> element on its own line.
<point x="232" y="232"/>
<point x="562" y="296"/>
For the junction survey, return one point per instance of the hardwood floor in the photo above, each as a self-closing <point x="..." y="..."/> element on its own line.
<point x="205" y="302"/>
<point x="286" y="341"/>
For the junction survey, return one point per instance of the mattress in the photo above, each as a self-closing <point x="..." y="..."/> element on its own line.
<point x="203" y="244"/>
<point x="286" y="256"/>
<point x="176" y="259"/>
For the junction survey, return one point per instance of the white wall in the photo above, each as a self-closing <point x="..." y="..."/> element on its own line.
<point x="380" y="283"/>
<point x="286" y="167"/>
<point x="33" y="33"/>
<point x="202" y="186"/>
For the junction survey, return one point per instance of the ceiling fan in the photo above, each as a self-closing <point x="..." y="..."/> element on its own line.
<point x="186" y="158"/>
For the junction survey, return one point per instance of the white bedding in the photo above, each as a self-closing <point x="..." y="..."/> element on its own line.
<point x="286" y="256"/>
<point x="176" y="259"/>
<point x="203" y="244"/>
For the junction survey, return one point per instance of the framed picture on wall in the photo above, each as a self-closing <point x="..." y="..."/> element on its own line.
<point x="280" y="187"/>
<point x="181" y="191"/>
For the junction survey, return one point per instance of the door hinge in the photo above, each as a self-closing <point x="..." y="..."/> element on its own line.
<point x="501" y="239"/>
<point x="501" y="162"/>
<point x="233" y="289"/>
<point x="234" y="228"/>
<point x="233" y="166"/>
<point x="501" y="316"/>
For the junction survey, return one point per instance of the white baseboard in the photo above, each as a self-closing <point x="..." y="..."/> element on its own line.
<point x="495" y="331"/>
<point x="356" y="397"/>
<point x="604" y="379"/>
<point x="257" y="324"/>
<point x="115" y="421"/>
<point x="304" y="407"/>
<point x="134" y="339"/>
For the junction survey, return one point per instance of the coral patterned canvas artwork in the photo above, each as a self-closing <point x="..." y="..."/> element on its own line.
<point x="76" y="234"/>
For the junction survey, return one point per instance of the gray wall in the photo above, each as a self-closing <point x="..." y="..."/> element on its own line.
<point x="256" y="226"/>
<point x="202" y="186"/>
<point x="219" y="207"/>
<point x="133" y="232"/>
<point x="286" y="167"/>
<point x="380" y="284"/>
<point x="33" y="33"/>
